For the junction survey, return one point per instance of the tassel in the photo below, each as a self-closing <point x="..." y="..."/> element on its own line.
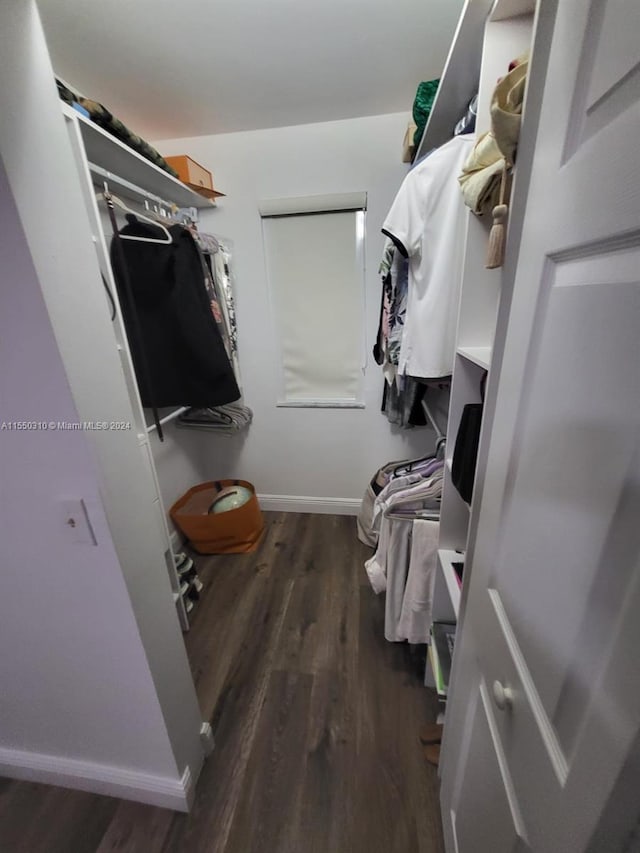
<point x="497" y="237"/>
<point x="495" y="251"/>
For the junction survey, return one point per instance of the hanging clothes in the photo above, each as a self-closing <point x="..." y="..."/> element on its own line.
<point x="222" y="277"/>
<point x="405" y="495"/>
<point x="402" y="394"/>
<point x="214" y="301"/>
<point x="218" y="281"/>
<point x="408" y="615"/>
<point x="426" y="225"/>
<point x="393" y="272"/>
<point x="404" y="568"/>
<point x="391" y="478"/>
<point x="185" y="354"/>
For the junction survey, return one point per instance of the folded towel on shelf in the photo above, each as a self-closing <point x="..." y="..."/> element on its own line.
<point x="230" y="418"/>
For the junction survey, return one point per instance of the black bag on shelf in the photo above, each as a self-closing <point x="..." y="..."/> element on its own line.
<point x="465" y="453"/>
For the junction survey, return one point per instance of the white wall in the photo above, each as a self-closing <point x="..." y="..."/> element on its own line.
<point x="96" y="685"/>
<point x="302" y="452"/>
<point x="75" y="680"/>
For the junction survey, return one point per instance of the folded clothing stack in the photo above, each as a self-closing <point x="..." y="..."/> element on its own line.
<point x="190" y="584"/>
<point x="99" y="114"/>
<point x="230" y="418"/>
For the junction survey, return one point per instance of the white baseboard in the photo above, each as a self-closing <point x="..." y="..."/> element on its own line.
<point x="163" y="791"/>
<point x="301" y="503"/>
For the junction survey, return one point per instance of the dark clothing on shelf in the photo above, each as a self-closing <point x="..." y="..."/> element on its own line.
<point x="186" y="357"/>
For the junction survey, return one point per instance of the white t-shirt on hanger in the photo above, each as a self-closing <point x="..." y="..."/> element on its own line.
<point x="426" y="222"/>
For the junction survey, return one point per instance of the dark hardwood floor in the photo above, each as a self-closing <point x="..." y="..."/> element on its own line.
<point x="315" y="716"/>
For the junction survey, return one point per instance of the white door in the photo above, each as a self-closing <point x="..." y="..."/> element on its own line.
<point x="542" y="736"/>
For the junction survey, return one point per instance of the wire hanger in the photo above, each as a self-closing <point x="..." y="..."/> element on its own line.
<point x="407" y="465"/>
<point x="113" y="200"/>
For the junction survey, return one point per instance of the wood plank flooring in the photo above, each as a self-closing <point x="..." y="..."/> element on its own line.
<point x="315" y="717"/>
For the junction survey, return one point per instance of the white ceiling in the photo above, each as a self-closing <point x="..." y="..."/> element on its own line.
<point x="171" y="69"/>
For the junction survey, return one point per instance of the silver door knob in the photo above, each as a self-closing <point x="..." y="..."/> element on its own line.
<point x="502" y="696"/>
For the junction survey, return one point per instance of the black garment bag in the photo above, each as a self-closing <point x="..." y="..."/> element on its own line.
<point x="177" y="350"/>
<point x="465" y="453"/>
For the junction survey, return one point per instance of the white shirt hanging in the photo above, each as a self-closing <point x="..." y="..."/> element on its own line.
<point x="426" y="221"/>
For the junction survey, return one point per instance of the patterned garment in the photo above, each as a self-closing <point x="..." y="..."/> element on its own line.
<point x="394" y="272"/>
<point x="214" y="302"/>
<point x="218" y="282"/>
<point x="222" y="262"/>
<point x="402" y="393"/>
<point x="398" y="313"/>
<point x="385" y="271"/>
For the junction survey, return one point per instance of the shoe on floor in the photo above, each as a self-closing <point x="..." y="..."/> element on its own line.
<point x="431" y="733"/>
<point x="432" y="753"/>
<point x="183" y="563"/>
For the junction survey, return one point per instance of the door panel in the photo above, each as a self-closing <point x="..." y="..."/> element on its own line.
<point x="618" y="51"/>
<point x="554" y="569"/>
<point x="487" y="789"/>
<point x="570" y="458"/>
<point x="609" y="70"/>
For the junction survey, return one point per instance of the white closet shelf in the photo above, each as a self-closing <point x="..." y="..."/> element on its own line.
<point x="504" y="9"/>
<point x="459" y="81"/>
<point x="477" y="355"/>
<point x="123" y="162"/>
<point x="446" y="560"/>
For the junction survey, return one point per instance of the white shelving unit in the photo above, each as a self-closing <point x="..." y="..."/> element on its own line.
<point x="490" y="34"/>
<point x="124" y="164"/>
<point x="477" y="355"/>
<point x="446" y="560"/>
<point x="135" y="179"/>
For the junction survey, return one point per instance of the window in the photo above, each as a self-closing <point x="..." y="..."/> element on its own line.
<point x="314" y="249"/>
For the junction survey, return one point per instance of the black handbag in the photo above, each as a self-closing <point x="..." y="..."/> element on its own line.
<point x="465" y="453"/>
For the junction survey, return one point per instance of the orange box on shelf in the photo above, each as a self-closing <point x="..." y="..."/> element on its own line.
<point x="194" y="175"/>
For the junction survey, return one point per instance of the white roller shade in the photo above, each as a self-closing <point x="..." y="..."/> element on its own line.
<point x="316" y="278"/>
<point x="312" y="204"/>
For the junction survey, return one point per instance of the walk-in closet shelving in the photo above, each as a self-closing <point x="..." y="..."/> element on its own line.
<point x="489" y="36"/>
<point x="107" y="152"/>
<point x="136" y="180"/>
<point x="448" y="602"/>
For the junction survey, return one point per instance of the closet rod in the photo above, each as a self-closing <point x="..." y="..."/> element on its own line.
<point x="432" y="420"/>
<point x="168" y="418"/>
<point x="422" y="515"/>
<point x="106" y="175"/>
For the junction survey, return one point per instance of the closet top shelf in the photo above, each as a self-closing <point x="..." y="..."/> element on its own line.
<point x="461" y="75"/>
<point x="112" y="155"/>
<point x="504" y="9"/>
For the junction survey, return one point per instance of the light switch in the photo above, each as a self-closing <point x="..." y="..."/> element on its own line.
<point x="76" y="522"/>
